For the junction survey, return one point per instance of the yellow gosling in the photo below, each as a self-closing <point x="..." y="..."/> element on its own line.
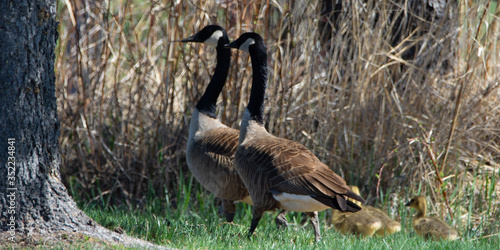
<point x="389" y="226"/>
<point x="429" y="227"/>
<point x="359" y="223"/>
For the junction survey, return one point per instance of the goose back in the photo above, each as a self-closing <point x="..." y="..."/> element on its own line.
<point x="280" y="168"/>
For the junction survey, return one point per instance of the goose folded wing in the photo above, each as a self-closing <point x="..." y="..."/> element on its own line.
<point x="297" y="171"/>
<point x="221" y="141"/>
<point x="218" y="145"/>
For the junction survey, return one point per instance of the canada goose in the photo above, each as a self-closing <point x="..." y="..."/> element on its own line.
<point x="389" y="226"/>
<point x="280" y="173"/>
<point x="211" y="145"/>
<point x="429" y="227"/>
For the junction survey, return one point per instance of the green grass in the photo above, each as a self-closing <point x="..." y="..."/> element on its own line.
<point x="197" y="225"/>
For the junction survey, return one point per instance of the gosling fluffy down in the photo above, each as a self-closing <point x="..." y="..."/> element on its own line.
<point x="389" y="226"/>
<point x="429" y="227"/>
<point x="359" y="223"/>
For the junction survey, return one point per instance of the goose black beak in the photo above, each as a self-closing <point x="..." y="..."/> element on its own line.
<point x="407" y="204"/>
<point x="232" y="45"/>
<point x="193" y="38"/>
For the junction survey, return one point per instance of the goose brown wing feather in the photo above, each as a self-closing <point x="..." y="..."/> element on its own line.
<point x="292" y="168"/>
<point x="214" y="154"/>
<point x="218" y="146"/>
<point x="338" y="203"/>
<point x="221" y="141"/>
<point x="303" y="167"/>
<point x="297" y="186"/>
<point x="327" y="176"/>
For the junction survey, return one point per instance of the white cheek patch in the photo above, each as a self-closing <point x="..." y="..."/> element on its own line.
<point x="213" y="40"/>
<point x="246" y="44"/>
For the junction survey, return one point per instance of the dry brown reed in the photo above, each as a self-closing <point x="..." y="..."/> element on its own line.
<point x="393" y="95"/>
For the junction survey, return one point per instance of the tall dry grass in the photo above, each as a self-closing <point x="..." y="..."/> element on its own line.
<point x="396" y="96"/>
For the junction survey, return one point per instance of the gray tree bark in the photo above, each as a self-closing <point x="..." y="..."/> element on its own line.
<point x="33" y="201"/>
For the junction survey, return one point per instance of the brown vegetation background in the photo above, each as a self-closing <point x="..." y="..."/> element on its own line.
<point x="399" y="97"/>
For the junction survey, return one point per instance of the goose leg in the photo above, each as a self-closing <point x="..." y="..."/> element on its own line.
<point x="257" y="215"/>
<point x="229" y="209"/>
<point x="315" y="223"/>
<point x="281" y="221"/>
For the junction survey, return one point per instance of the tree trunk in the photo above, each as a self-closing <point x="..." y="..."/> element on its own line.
<point x="33" y="201"/>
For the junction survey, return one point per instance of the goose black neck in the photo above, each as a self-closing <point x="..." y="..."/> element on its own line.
<point x="258" y="56"/>
<point x="208" y="101"/>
